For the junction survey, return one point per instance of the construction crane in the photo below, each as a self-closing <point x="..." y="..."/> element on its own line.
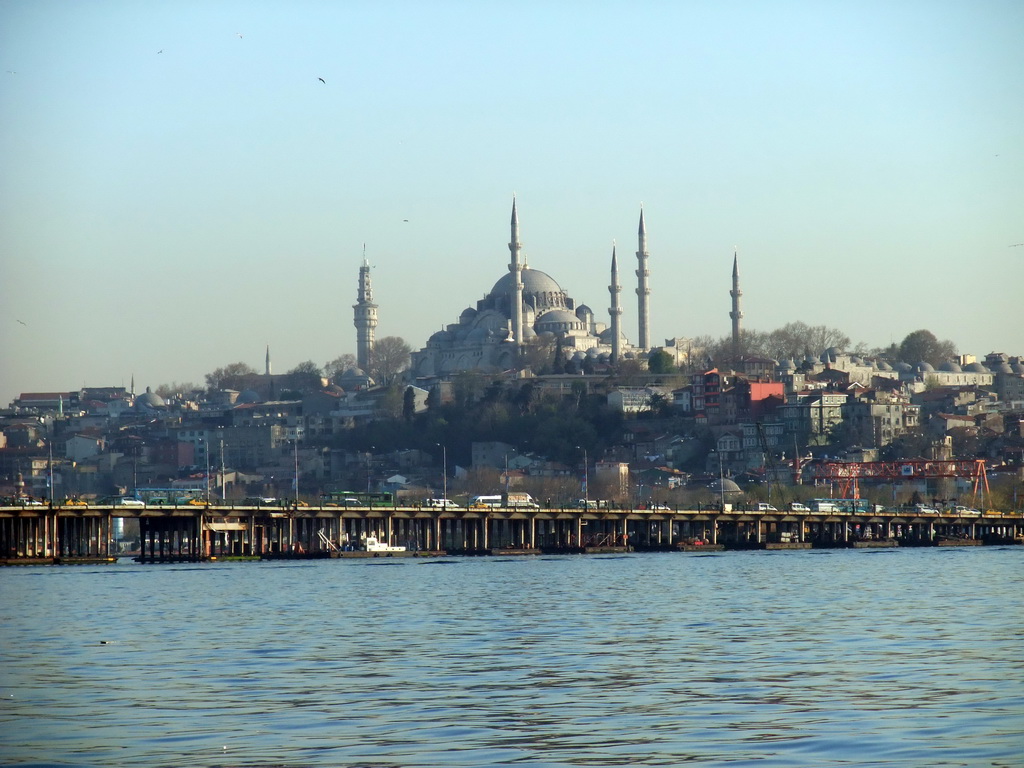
<point x="849" y="473"/>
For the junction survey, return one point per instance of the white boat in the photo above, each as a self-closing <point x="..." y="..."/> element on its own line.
<point x="371" y="544"/>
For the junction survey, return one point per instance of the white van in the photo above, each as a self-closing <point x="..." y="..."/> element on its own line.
<point x="440" y="504"/>
<point x="764" y="507"/>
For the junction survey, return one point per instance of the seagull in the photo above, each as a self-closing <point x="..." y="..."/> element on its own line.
<point x="161" y="50"/>
<point x="1015" y="245"/>
<point x="23" y="323"/>
<point x="405" y="220"/>
<point x="239" y="35"/>
<point x="322" y="80"/>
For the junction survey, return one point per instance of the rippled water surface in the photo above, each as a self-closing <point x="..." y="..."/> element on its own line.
<point x="854" y="658"/>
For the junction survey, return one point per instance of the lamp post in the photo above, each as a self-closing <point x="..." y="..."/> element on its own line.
<point x="444" y="472"/>
<point x="207" y="452"/>
<point x="586" y="477"/>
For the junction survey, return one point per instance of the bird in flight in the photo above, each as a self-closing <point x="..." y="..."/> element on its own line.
<point x="1015" y="245"/>
<point x="239" y="35"/>
<point x="23" y="322"/>
<point x="161" y="50"/>
<point x="322" y="80"/>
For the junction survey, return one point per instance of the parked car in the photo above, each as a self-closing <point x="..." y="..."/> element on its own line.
<point x="764" y="507"/>
<point x="796" y="506"/>
<point x="27" y="501"/>
<point x="924" y="509"/>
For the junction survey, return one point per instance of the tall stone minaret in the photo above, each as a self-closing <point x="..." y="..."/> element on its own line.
<point x="736" y="314"/>
<point x="266" y="369"/>
<point x="615" y="310"/>
<point x="642" y="289"/>
<point x="516" y="268"/>
<point x="365" y="316"/>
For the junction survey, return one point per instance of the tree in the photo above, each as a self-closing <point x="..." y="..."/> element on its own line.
<point x="797" y="340"/>
<point x="922" y="346"/>
<point x="222" y="378"/>
<point x="308" y="368"/>
<point x="409" y="404"/>
<point x="660" y="361"/>
<point x="390" y="356"/>
<point x="176" y="388"/>
<point x="339" y="365"/>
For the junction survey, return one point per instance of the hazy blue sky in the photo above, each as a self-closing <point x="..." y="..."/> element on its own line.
<point x="178" y="189"/>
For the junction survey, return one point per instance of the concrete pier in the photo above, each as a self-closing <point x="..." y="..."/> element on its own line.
<point x="45" y="534"/>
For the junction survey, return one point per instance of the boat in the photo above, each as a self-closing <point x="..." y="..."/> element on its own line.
<point x="372" y="544"/>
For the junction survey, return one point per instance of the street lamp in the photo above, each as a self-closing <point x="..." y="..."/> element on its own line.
<point x="444" y="472"/>
<point x="586" y="477"/>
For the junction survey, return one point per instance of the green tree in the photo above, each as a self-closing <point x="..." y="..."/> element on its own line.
<point x="660" y="361"/>
<point x="923" y="346"/>
<point x="409" y="404"/>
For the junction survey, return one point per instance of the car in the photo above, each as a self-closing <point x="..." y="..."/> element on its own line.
<point x="128" y="501"/>
<point x="74" y="503"/>
<point x="27" y="501"/>
<point x="764" y="507"/>
<point x="796" y="506"/>
<point x="660" y="507"/>
<point x="924" y="509"/>
<point x="962" y="510"/>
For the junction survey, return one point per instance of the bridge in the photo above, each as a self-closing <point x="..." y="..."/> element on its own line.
<point x="78" y="533"/>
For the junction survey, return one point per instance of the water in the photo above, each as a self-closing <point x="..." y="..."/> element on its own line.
<point x="853" y="658"/>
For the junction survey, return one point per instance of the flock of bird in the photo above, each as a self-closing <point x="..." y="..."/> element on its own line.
<point x="240" y="37"/>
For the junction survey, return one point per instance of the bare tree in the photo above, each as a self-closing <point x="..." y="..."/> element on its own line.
<point x="223" y="377"/>
<point x="339" y="365"/>
<point x="389" y="358"/>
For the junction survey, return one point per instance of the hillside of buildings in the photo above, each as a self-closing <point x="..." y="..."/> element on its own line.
<point x="644" y="432"/>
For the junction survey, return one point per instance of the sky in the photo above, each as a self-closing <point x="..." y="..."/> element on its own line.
<point x="179" y="189"/>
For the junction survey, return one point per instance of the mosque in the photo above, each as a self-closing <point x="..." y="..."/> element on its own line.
<point x="524" y="307"/>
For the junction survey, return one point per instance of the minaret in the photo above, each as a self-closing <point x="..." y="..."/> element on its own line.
<point x="365" y="316"/>
<point x="736" y="314"/>
<point x="266" y="368"/>
<point x="615" y="310"/>
<point x="642" y="289"/>
<point x="516" y="268"/>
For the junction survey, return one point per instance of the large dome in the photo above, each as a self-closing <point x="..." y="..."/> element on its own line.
<point x="545" y="292"/>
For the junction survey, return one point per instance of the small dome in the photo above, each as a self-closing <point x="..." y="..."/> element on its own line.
<point x="724" y="485"/>
<point x="149" y="400"/>
<point x="904" y="367"/>
<point x="924" y="367"/>
<point x="1017" y="367"/>
<point x="976" y="368"/>
<point x="883" y="366"/>
<point x="1003" y="367"/>
<point x="950" y="367"/>
<point x="787" y="365"/>
<point x="247" y="397"/>
<point x="559" y="321"/>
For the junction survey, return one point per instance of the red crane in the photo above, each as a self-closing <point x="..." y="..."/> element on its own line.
<point x="850" y="473"/>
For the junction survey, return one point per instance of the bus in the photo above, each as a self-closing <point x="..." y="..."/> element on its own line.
<point x="170" y="497"/>
<point x="356" y="499"/>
